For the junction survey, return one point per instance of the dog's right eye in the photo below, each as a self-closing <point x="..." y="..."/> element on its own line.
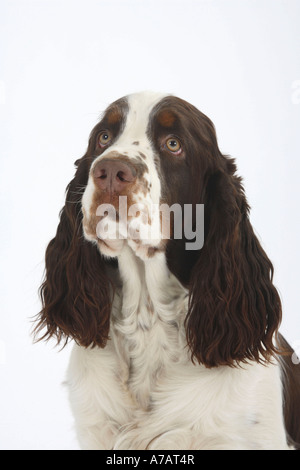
<point x="104" y="138"/>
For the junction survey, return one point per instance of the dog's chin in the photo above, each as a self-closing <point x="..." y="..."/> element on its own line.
<point x="144" y="250"/>
<point x="111" y="248"/>
<point x="112" y="242"/>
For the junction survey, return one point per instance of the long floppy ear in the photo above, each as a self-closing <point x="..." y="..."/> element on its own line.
<point x="75" y="291"/>
<point x="234" y="308"/>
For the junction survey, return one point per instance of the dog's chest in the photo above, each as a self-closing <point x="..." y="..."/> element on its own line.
<point x="149" y="338"/>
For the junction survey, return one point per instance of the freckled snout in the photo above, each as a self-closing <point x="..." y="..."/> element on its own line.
<point x="113" y="175"/>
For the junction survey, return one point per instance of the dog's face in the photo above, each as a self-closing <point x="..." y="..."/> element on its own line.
<point x="140" y="170"/>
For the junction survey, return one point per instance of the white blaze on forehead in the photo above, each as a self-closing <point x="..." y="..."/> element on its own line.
<point x="136" y="126"/>
<point x="140" y="107"/>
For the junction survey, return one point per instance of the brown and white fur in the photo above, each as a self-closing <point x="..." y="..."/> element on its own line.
<point x="175" y="348"/>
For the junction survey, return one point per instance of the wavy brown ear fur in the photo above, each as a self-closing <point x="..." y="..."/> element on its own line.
<point x="234" y="308"/>
<point x="74" y="294"/>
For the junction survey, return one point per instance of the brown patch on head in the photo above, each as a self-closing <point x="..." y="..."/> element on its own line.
<point x="115" y="112"/>
<point x="166" y="118"/>
<point x="114" y="116"/>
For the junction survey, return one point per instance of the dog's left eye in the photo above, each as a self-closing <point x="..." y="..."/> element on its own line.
<point x="174" y="145"/>
<point x="104" y="138"/>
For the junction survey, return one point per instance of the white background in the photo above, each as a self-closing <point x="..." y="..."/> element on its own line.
<point x="62" y="62"/>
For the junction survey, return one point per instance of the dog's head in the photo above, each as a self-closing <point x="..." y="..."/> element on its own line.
<point x="151" y="162"/>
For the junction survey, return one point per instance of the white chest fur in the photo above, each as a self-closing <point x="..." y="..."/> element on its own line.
<point x="147" y="327"/>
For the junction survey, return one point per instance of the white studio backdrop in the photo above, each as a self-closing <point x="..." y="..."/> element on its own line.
<point x="61" y="63"/>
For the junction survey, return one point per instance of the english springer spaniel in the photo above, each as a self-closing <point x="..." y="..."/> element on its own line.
<point x="173" y="313"/>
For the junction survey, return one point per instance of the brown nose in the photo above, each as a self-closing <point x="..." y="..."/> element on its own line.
<point x="113" y="175"/>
